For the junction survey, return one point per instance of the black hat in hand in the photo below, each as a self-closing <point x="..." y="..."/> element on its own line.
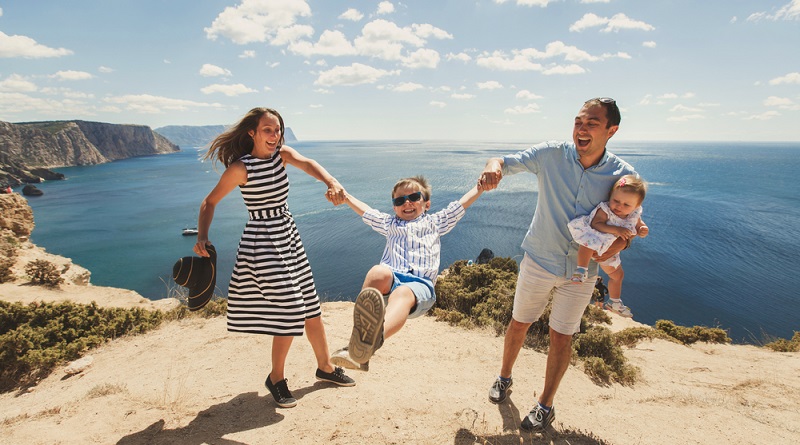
<point x="199" y="275"/>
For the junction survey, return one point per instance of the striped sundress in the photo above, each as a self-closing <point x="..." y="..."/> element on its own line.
<point x="271" y="289"/>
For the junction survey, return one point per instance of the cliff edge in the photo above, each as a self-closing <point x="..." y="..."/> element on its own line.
<point x="29" y="150"/>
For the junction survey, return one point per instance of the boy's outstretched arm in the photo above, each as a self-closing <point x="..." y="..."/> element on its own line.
<point x="470" y="197"/>
<point x="357" y="206"/>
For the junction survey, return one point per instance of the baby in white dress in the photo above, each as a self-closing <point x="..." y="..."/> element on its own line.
<point x="619" y="217"/>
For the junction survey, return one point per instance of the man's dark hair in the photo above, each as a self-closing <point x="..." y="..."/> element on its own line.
<point x="612" y="110"/>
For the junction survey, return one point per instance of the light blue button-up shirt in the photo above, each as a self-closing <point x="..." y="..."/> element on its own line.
<point x="566" y="191"/>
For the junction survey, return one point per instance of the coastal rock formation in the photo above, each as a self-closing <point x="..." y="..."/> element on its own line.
<point x="29" y="150"/>
<point x="31" y="190"/>
<point x="201" y="135"/>
<point x="16" y="215"/>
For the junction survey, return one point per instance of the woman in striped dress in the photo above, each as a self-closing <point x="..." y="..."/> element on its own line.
<point x="272" y="289"/>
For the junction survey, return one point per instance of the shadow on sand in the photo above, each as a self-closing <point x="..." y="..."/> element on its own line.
<point x="242" y="413"/>
<point x="512" y="434"/>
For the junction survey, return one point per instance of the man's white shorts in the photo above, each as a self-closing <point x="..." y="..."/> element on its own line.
<point x="534" y="286"/>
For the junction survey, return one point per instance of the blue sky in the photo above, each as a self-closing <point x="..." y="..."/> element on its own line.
<point x="483" y="70"/>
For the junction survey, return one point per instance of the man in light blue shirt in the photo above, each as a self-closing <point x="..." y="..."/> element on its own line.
<point x="573" y="178"/>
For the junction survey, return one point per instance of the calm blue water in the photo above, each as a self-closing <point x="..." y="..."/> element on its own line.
<point x="724" y="222"/>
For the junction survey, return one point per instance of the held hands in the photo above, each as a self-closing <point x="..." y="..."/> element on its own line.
<point x="335" y="194"/>
<point x="491" y="176"/>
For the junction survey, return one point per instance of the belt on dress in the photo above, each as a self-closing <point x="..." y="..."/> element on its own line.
<point x="268" y="213"/>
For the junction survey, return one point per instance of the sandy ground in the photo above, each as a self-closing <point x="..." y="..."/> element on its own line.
<point x="192" y="382"/>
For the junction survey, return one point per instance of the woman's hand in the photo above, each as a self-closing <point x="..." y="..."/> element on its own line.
<point x="200" y="247"/>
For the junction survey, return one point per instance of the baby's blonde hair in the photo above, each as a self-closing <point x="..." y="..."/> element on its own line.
<point x="632" y="184"/>
<point x="416" y="181"/>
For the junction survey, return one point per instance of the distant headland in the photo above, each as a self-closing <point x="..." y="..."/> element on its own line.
<point x="28" y="150"/>
<point x="201" y="135"/>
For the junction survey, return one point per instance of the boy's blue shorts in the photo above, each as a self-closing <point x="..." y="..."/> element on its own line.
<point x="423" y="291"/>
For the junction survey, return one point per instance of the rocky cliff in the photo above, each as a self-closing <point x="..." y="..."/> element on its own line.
<point x="201" y="135"/>
<point x="28" y="150"/>
<point x="15" y="215"/>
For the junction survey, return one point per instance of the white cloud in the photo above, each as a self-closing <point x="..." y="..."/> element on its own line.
<point x="791" y="78"/>
<point x="527" y="109"/>
<point x="351" y="14"/>
<point x="463" y="57"/>
<point x="462" y="96"/>
<point x="427" y="30"/>
<point x="384" y="39"/>
<point x="69" y="75"/>
<point x="330" y="43"/>
<point x="209" y="70"/>
<point x="315" y="106"/>
<point x="385" y="8"/>
<point x="291" y="34"/>
<point x="247" y="54"/>
<point x="527" y="95"/>
<point x="649" y="44"/>
<point x="256" y="20"/>
<point x="228" y="90"/>
<point x="490" y="85"/>
<point x="422" y="58"/>
<point x="541" y="3"/>
<point x="67" y="93"/>
<point x="595" y="1"/>
<point x="524" y="59"/>
<point x="790" y="11"/>
<point x="781" y="102"/>
<point x="148" y="104"/>
<point x="563" y="69"/>
<point x="438" y="104"/>
<point x="355" y="74"/>
<point x="684" y="108"/>
<point x="17" y="84"/>
<point x="105" y="70"/>
<point x="615" y="23"/>
<point x="765" y="116"/>
<point x="406" y="87"/>
<point x="15" y="103"/>
<point x="686" y="118"/>
<point x="26" y="47"/>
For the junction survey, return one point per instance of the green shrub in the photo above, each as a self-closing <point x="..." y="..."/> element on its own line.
<point x="694" y="334"/>
<point x="5" y="270"/>
<point x="8" y="252"/>
<point x="44" y="273"/>
<point x="36" y="338"/>
<point x="783" y="345"/>
<point x="603" y="358"/>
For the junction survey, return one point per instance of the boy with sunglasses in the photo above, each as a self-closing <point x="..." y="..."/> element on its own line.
<point x="407" y="270"/>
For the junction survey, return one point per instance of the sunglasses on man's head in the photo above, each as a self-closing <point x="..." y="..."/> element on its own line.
<point x="400" y="200"/>
<point x="605" y="100"/>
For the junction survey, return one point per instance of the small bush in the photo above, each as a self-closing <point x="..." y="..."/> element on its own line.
<point x="604" y="360"/>
<point x="5" y="270"/>
<point x="687" y="335"/>
<point x="44" y="273"/>
<point x="8" y="252"/>
<point x="783" y="345"/>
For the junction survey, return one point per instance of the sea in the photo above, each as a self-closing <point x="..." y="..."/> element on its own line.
<point x="722" y="252"/>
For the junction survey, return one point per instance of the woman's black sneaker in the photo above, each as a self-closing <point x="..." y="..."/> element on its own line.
<point x="337" y="376"/>
<point x="280" y="392"/>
